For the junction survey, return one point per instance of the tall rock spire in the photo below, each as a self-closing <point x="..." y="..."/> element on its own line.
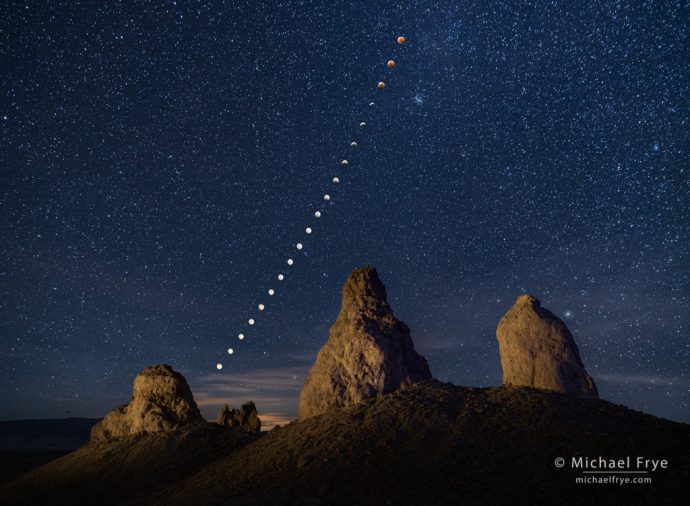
<point x="368" y="350"/>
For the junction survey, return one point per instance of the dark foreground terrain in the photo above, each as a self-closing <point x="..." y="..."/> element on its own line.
<point x="27" y="444"/>
<point x="432" y="443"/>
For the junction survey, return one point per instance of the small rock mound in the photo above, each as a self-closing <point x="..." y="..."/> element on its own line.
<point x="537" y="350"/>
<point x="161" y="401"/>
<point x="245" y="418"/>
<point x="369" y="351"/>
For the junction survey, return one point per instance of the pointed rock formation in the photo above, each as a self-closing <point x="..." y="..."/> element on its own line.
<point x="368" y="350"/>
<point x="161" y="401"/>
<point x="537" y="350"/>
<point x="244" y="418"/>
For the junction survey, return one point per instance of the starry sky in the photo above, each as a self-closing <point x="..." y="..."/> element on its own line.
<point x="160" y="160"/>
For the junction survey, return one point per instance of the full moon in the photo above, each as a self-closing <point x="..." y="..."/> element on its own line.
<point x="308" y="230"/>
<point x="290" y="261"/>
<point x="299" y="245"/>
<point x="251" y="321"/>
<point x="317" y="214"/>
<point x="219" y="366"/>
<point x="327" y="197"/>
<point x="280" y="277"/>
<point x="230" y="351"/>
<point x="240" y="337"/>
<point x="271" y="291"/>
<point x="261" y="307"/>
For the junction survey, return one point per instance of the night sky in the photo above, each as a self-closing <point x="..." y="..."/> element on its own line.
<point x="160" y="160"/>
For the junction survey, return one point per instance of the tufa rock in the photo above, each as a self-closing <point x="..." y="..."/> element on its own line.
<point x="161" y="401"/>
<point x="368" y="351"/>
<point x="244" y="418"/>
<point x="537" y="350"/>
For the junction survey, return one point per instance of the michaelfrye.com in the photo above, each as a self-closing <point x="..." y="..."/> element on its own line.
<point x="602" y="470"/>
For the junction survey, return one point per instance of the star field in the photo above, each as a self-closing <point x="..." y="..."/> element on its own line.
<point x="161" y="160"/>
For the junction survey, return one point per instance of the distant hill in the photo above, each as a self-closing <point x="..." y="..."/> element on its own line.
<point x="425" y="444"/>
<point x="49" y="434"/>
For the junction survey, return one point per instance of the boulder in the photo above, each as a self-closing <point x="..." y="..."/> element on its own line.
<point x="537" y="350"/>
<point x="161" y="401"/>
<point x="369" y="351"/>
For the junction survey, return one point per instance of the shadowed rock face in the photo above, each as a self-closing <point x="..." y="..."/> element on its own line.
<point x="161" y="401"/>
<point x="368" y="351"/>
<point x="537" y="350"/>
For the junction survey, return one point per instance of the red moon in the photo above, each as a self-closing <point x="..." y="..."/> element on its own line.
<point x="381" y="85"/>
<point x="391" y="64"/>
<point x="401" y="40"/>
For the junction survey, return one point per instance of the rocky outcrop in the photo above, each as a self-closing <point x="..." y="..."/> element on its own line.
<point x="245" y="418"/>
<point x="161" y="401"/>
<point x="537" y="350"/>
<point x="368" y="351"/>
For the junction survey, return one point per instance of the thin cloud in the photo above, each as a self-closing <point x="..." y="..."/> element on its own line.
<point x="275" y="391"/>
<point x="272" y="420"/>
<point x="642" y="379"/>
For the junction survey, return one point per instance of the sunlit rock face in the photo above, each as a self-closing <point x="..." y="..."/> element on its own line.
<point x="368" y="350"/>
<point x="537" y="350"/>
<point x="161" y="401"/>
